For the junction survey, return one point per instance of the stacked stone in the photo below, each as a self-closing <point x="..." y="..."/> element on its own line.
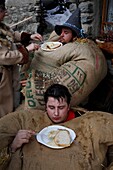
<point x="17" y="14"/>
<point x="90" y="14"/>
<point x="87" y="15"/>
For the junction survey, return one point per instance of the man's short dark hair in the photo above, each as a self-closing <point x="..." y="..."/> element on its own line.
<point x="57" y="91"/>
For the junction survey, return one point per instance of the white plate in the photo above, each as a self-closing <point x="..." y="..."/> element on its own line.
<point x="45" y="46"/>
<point x="42" y="136"/>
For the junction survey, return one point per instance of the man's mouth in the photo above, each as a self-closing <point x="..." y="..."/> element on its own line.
<point x="56" y="118"/>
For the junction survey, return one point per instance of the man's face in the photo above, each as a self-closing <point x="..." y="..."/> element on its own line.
<point x="66" y="35"/>
<point x="57" y="110"/>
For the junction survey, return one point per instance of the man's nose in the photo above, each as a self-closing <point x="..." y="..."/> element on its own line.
<point x="62" y="34"/>
<point x="56" y="112"/>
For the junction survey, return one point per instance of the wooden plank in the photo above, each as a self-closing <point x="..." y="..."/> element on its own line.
<point x="20" y="22"/>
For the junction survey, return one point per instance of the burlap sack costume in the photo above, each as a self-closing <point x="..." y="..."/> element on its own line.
<point x="94" y="132"/>
<point x="79" y="65"/>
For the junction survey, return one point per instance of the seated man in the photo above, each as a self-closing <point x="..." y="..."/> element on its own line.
<point x="57" y="99"/>
<point x="94" y="131"/>
<point x="78" y="64"/>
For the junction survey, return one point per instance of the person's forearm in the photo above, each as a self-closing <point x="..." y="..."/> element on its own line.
<point x="11" y="57"/>
<point x="12" y="148"/>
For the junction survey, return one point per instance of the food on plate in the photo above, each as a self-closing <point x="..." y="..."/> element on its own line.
<point x="63" y="138"/>
<point x="56" y="136"/>
<point x="52" y="134"/>
<point x="53" y="45"/>
<point x="60" y="137"/>
<point x="52" y="143"/>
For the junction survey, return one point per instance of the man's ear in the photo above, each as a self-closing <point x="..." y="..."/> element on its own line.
<point x="45" y="107"/>
<point x="75" y="38"/>
<point x="69" y="107"/>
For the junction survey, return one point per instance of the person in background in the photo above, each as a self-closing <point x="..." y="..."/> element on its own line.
<point x="14" y="51"/>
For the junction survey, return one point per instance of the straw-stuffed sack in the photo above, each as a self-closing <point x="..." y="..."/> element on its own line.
<point x="93" y="142"/>
<point x="79" y="65"/>
<point x="4" y="158"/>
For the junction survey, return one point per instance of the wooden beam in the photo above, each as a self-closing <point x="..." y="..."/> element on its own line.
<point x="20" y="22"/>
<point x="104" y="12"/>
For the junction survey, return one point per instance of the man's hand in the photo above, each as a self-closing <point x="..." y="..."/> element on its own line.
<point x="36" y="37"/>
<point x="23" y="83"/>
<point x="33" y="46"/>
<point x="22" y="137"/>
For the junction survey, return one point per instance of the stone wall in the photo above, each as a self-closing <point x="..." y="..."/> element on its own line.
<point x="90" y="15"/>
<point x="19" y="3"/>
<point x="19" y="13"/>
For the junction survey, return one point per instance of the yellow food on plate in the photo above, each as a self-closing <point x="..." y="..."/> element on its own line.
<point x="52" y="134"/>
<point x="53" y="45"/>
<point x="60" y="137"/>
<point x="63" y="138"/>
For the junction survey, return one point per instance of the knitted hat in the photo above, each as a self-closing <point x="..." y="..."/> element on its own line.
<point x="73" y="23"/>
<point x="2" y="4"/>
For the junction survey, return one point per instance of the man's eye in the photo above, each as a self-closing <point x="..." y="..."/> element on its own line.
<point x="66" y="32"/>
<point x="61" y="108"/>
<point x="51" y="108"/>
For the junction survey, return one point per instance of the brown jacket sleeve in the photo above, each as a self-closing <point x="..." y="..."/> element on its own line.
<point x="25" y="38"/>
